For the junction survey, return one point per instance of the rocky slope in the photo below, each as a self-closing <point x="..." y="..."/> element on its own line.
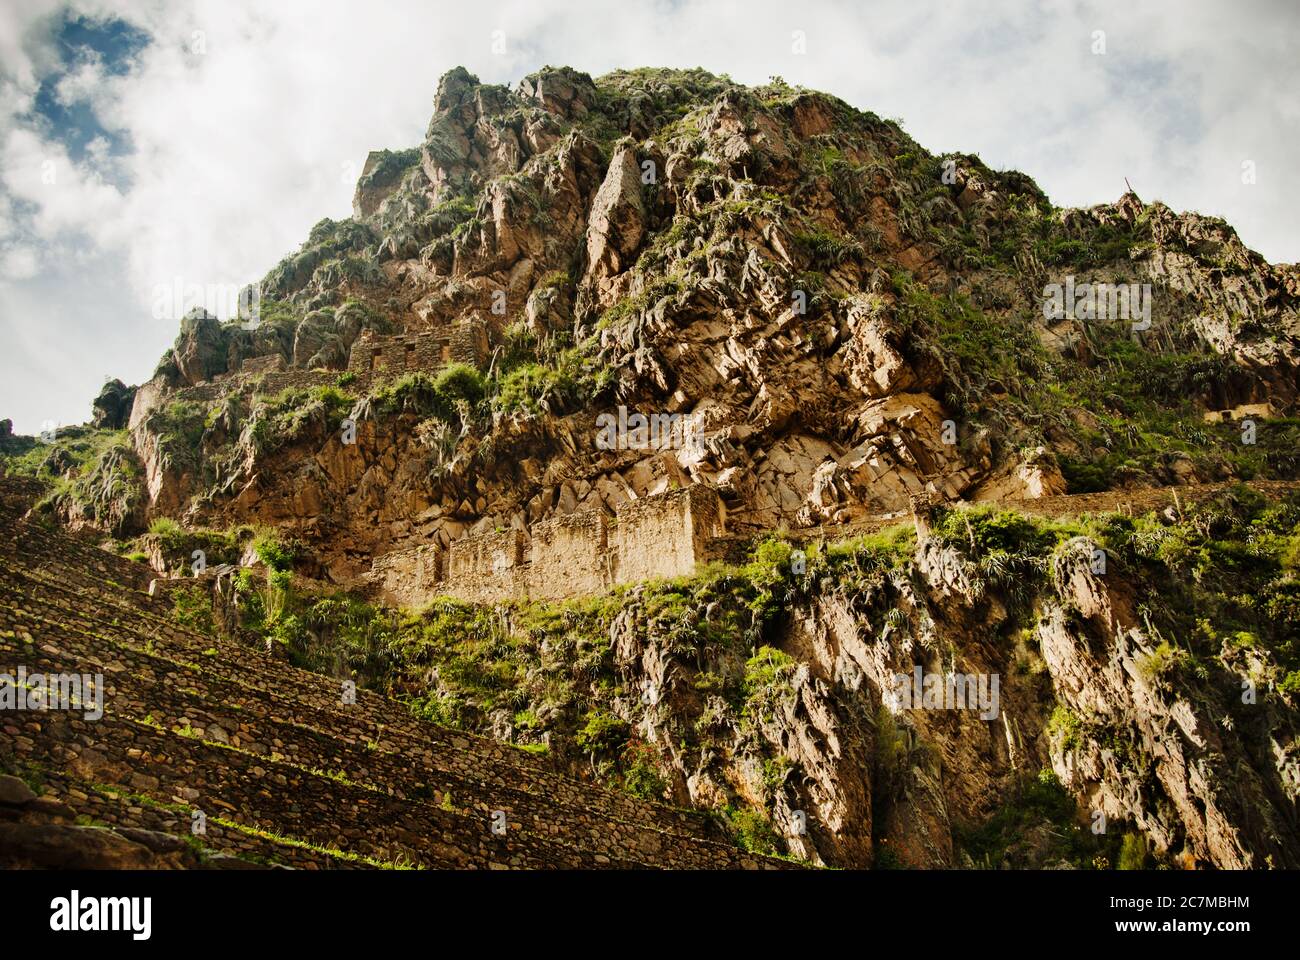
<point x="804" y="279"/>
<point x="858" y="328"/>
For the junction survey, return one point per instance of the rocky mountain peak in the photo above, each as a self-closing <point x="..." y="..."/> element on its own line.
<point x="658" y="344"/>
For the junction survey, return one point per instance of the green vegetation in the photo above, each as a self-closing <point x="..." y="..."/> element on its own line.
<point x="1133" y="853"/>
<point x="74" y="448"/>
<point x="982" y="358"/>
<point x="534" y="388"/>
<point x="767" y="678"/>
<point x="454" y="395"/>
<point x="1220" y="579"/>
<point x="1220" y="576"/>
<point x="752" y="830"/>
<point x="330" y="241"/>
<point x="294" y="414"/>
<point x="827" y="249"/>
<point x="177" y="429"/>
<point x="1108" y="410"/>
<point x="93" y="475"/>
<point x="639" y="771"/>
<point x="192" y="609"/>
<point x="601" y="732"/>
<point x="274" y="552"/>
<point x="389" y="166"/>
<point x="1132" y="410"/>
<point x="1042" y="810"/>
<point x="1066" y="726"/>
<point x="177" y="544"/>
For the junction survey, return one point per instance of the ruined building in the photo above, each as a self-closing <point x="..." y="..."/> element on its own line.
<point x="662" y="536"/>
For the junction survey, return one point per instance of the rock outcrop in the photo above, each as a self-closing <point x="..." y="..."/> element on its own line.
<point x="850" y="320"/>
<point x="579" y="299"/>
<point x="112" y="408"/>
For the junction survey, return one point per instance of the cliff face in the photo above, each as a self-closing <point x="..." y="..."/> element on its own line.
<point x="848" y="330"/>
<point x="1127" y="683"/>
<point x="850" y="320"/>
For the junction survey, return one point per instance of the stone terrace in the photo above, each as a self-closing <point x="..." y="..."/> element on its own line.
<point x="282" y="768"/>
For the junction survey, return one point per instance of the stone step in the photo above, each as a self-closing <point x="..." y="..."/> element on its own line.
<point x="378" y="719"/>
<point x="312" y="806"/>
<point x="38" y="546"/>
<point x="117" y="807"/>
<point x="239" y="683"/>
<point x="139" y="693"/>
<point x="272" y="754"/>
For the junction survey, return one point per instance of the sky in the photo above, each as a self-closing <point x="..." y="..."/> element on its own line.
<point x="146" y="146"/>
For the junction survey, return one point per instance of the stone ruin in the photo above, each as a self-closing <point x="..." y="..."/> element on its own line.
<point x="271" y="363"/>
<point x="585" y="552"/>
<point x="398" y="354"/>
<point x="372" y="359"/>
<point x="463" y="342"/>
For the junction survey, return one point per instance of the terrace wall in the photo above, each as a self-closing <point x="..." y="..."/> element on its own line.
<point x="575" y="554"/>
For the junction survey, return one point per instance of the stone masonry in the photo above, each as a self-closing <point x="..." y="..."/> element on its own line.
<point x="284" y="768"/>
<point x="585" y="552"/>
<point x="399" y="354"/>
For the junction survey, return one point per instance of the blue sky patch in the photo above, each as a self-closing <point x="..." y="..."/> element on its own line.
<point x="115" y="44"/>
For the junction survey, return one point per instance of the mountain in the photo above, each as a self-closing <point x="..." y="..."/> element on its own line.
<point x="661" y="425"/>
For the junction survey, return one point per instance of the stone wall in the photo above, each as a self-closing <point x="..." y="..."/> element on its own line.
<point x="266" y="383"/>
<point x="469" y="343"/>
<point x="400" y="577"/>
<point x="664" y="536"/>
<point x="277" y="757"/>
<point x="570" y="555"/>
<point x="574" y="554"/>
<point x="371" y="359"/>
<point x="488" y="566"/>
<point x="270" y="362"/>
<point x="403" y="353"/>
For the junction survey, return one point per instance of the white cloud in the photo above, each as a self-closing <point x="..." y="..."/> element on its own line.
<point x="18" y="263"/>
<point x="79" y="84"/>
<point x="237" y="150"/>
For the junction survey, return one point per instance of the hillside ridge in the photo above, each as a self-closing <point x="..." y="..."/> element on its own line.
<point x="657" y="425"/>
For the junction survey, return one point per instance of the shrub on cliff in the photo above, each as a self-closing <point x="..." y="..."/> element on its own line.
<point x="751" y="829"/>
<point x="602" y="733"/>
<point x="177" y="429"/>
<point x="460" y="381"/>
<point x="192" y="609"/>
<point x="767" y="677"/>
<point x="640" y="772"/>
<point x="96" y="479"/>
<point x="1133" y="852"/>
<point x="273" y="552"/>
<point x="296" y="413"/>
<point x="982" y="531"/>
<point x="1037" y="825"/>
<point x="178" y="544"/>
<point x="533" y="389"/>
